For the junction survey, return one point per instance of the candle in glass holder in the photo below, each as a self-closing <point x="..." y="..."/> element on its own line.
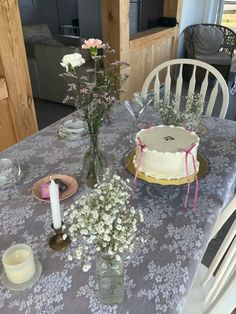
<point x="18" y="262"/>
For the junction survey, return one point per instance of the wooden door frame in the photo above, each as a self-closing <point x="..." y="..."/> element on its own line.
<point x="14" y="71"/>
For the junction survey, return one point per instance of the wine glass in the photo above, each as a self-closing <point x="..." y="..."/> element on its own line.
<point x="15" y="193"/>
<point x="136" y="108"/>
<point x="8" y="187"/>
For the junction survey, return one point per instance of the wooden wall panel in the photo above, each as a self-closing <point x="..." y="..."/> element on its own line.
<point x="115" y="16"/>
<point x="14" y="68"/>
<point x="7" y="132"/>
<point x="173" y="8"/>
<point x="143" y="51"/>
<point x="170" y="8"/>
<point x="147" y="52"/>
<point x="3" y="88"/>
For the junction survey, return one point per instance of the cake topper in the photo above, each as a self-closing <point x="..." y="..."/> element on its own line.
<point x="168" y="138"/>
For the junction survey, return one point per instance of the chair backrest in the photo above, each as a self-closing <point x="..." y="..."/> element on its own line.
<point x="208" y="92"/>
<point x="213" y="289"/>
<point x="221" y="295"/>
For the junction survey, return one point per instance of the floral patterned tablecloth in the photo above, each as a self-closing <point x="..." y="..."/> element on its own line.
<point x="159" y="273"/>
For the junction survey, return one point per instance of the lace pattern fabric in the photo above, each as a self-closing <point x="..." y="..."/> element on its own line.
<point x="160" y="271"/>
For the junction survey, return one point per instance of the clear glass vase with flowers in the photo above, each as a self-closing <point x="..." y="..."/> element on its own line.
<point x="94" y="94"/>
<point x="105" y="223"/>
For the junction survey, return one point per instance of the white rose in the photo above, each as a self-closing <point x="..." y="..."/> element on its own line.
<point x="73" y="59"/>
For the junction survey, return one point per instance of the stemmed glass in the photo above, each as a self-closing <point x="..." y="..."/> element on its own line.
<point x="15" y="194"/>
<point x="8" y="188"/>
<point x="136" y="108"/>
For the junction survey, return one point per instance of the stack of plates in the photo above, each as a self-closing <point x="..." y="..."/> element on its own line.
<point x="72" y="130"/>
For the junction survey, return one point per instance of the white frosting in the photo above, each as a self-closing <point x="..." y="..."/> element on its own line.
<point x="161" y="157"/>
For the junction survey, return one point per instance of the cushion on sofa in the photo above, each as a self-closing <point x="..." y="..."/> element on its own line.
<point x="41" y="39"/>
<point x="207" y="40"/>
<point x="30" y="31"/>
<point x="220" y="58"/>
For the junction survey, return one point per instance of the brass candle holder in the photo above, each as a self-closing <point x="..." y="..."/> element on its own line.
<point x="60" y="240"/>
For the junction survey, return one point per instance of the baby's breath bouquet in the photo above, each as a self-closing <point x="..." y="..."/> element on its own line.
<point x="189" y="115"/>
<point x="104" y="221"/>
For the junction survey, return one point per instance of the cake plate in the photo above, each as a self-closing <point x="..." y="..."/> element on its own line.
<point x="203" y="170"/>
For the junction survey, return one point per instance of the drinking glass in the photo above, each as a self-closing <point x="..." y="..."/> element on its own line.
<point x="9" y="187"/>
<point x="15" y="193"/>
<point x="136" y="108"/>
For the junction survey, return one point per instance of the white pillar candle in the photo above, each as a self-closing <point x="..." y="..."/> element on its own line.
<point x="18" y="263"/>
<point x="55" y="204"/>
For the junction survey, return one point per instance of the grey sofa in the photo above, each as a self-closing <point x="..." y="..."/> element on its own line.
<point x="44" y="54"/>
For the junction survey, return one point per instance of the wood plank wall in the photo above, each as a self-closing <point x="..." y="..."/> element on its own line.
<point x="18" y="118"/>
<point x="147" y="52"/>
<point x="144" y="50"/>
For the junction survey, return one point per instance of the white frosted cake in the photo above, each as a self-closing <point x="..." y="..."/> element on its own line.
<point x="161" y="157"/>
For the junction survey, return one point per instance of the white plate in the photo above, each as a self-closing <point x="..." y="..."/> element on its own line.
<point x="70" y="135"/>
<point x="73" y="126"/>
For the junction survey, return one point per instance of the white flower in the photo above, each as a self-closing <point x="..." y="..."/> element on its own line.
<point x="64" y="237"/>
<point x="118" y="258"/>
<point x="106" y="237"/>
<point x="110" y="252"/>
<point x="132" y="210"/>
<point x="73" y="60"/>
<point x="95" y="214"/>
<point x="86" y="267"/>
<point x="84" y="231"/>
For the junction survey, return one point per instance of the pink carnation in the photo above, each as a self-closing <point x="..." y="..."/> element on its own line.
<point x="93" y="43"/>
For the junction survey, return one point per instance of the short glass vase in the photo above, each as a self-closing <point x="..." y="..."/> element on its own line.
<point x="95" y="162"/>
<point x="110" y="278"/>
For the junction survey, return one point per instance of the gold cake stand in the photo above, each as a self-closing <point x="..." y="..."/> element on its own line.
<point x="203" y="170"/>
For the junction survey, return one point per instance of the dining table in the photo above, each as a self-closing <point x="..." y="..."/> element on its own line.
<point x="158" y="274"/>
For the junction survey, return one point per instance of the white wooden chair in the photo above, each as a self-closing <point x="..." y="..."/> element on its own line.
<point x="216" y="295"/>
<point x="167" y="68"/>
<point x="154" y="82"/>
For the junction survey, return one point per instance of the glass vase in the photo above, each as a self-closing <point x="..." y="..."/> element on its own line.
<point x="95" y="162"/>
<point x="110" y="279"/>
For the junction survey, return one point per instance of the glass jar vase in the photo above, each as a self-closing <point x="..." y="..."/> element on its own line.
<point x="110" y="278"/>
<point x="95" y="162"/>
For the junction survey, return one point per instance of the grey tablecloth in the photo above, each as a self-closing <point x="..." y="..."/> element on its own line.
<point x="160" y="271"/>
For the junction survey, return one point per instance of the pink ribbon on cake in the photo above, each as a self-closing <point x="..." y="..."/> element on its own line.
<point x="188" y="152"/>
<point x="139" y="162"/>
